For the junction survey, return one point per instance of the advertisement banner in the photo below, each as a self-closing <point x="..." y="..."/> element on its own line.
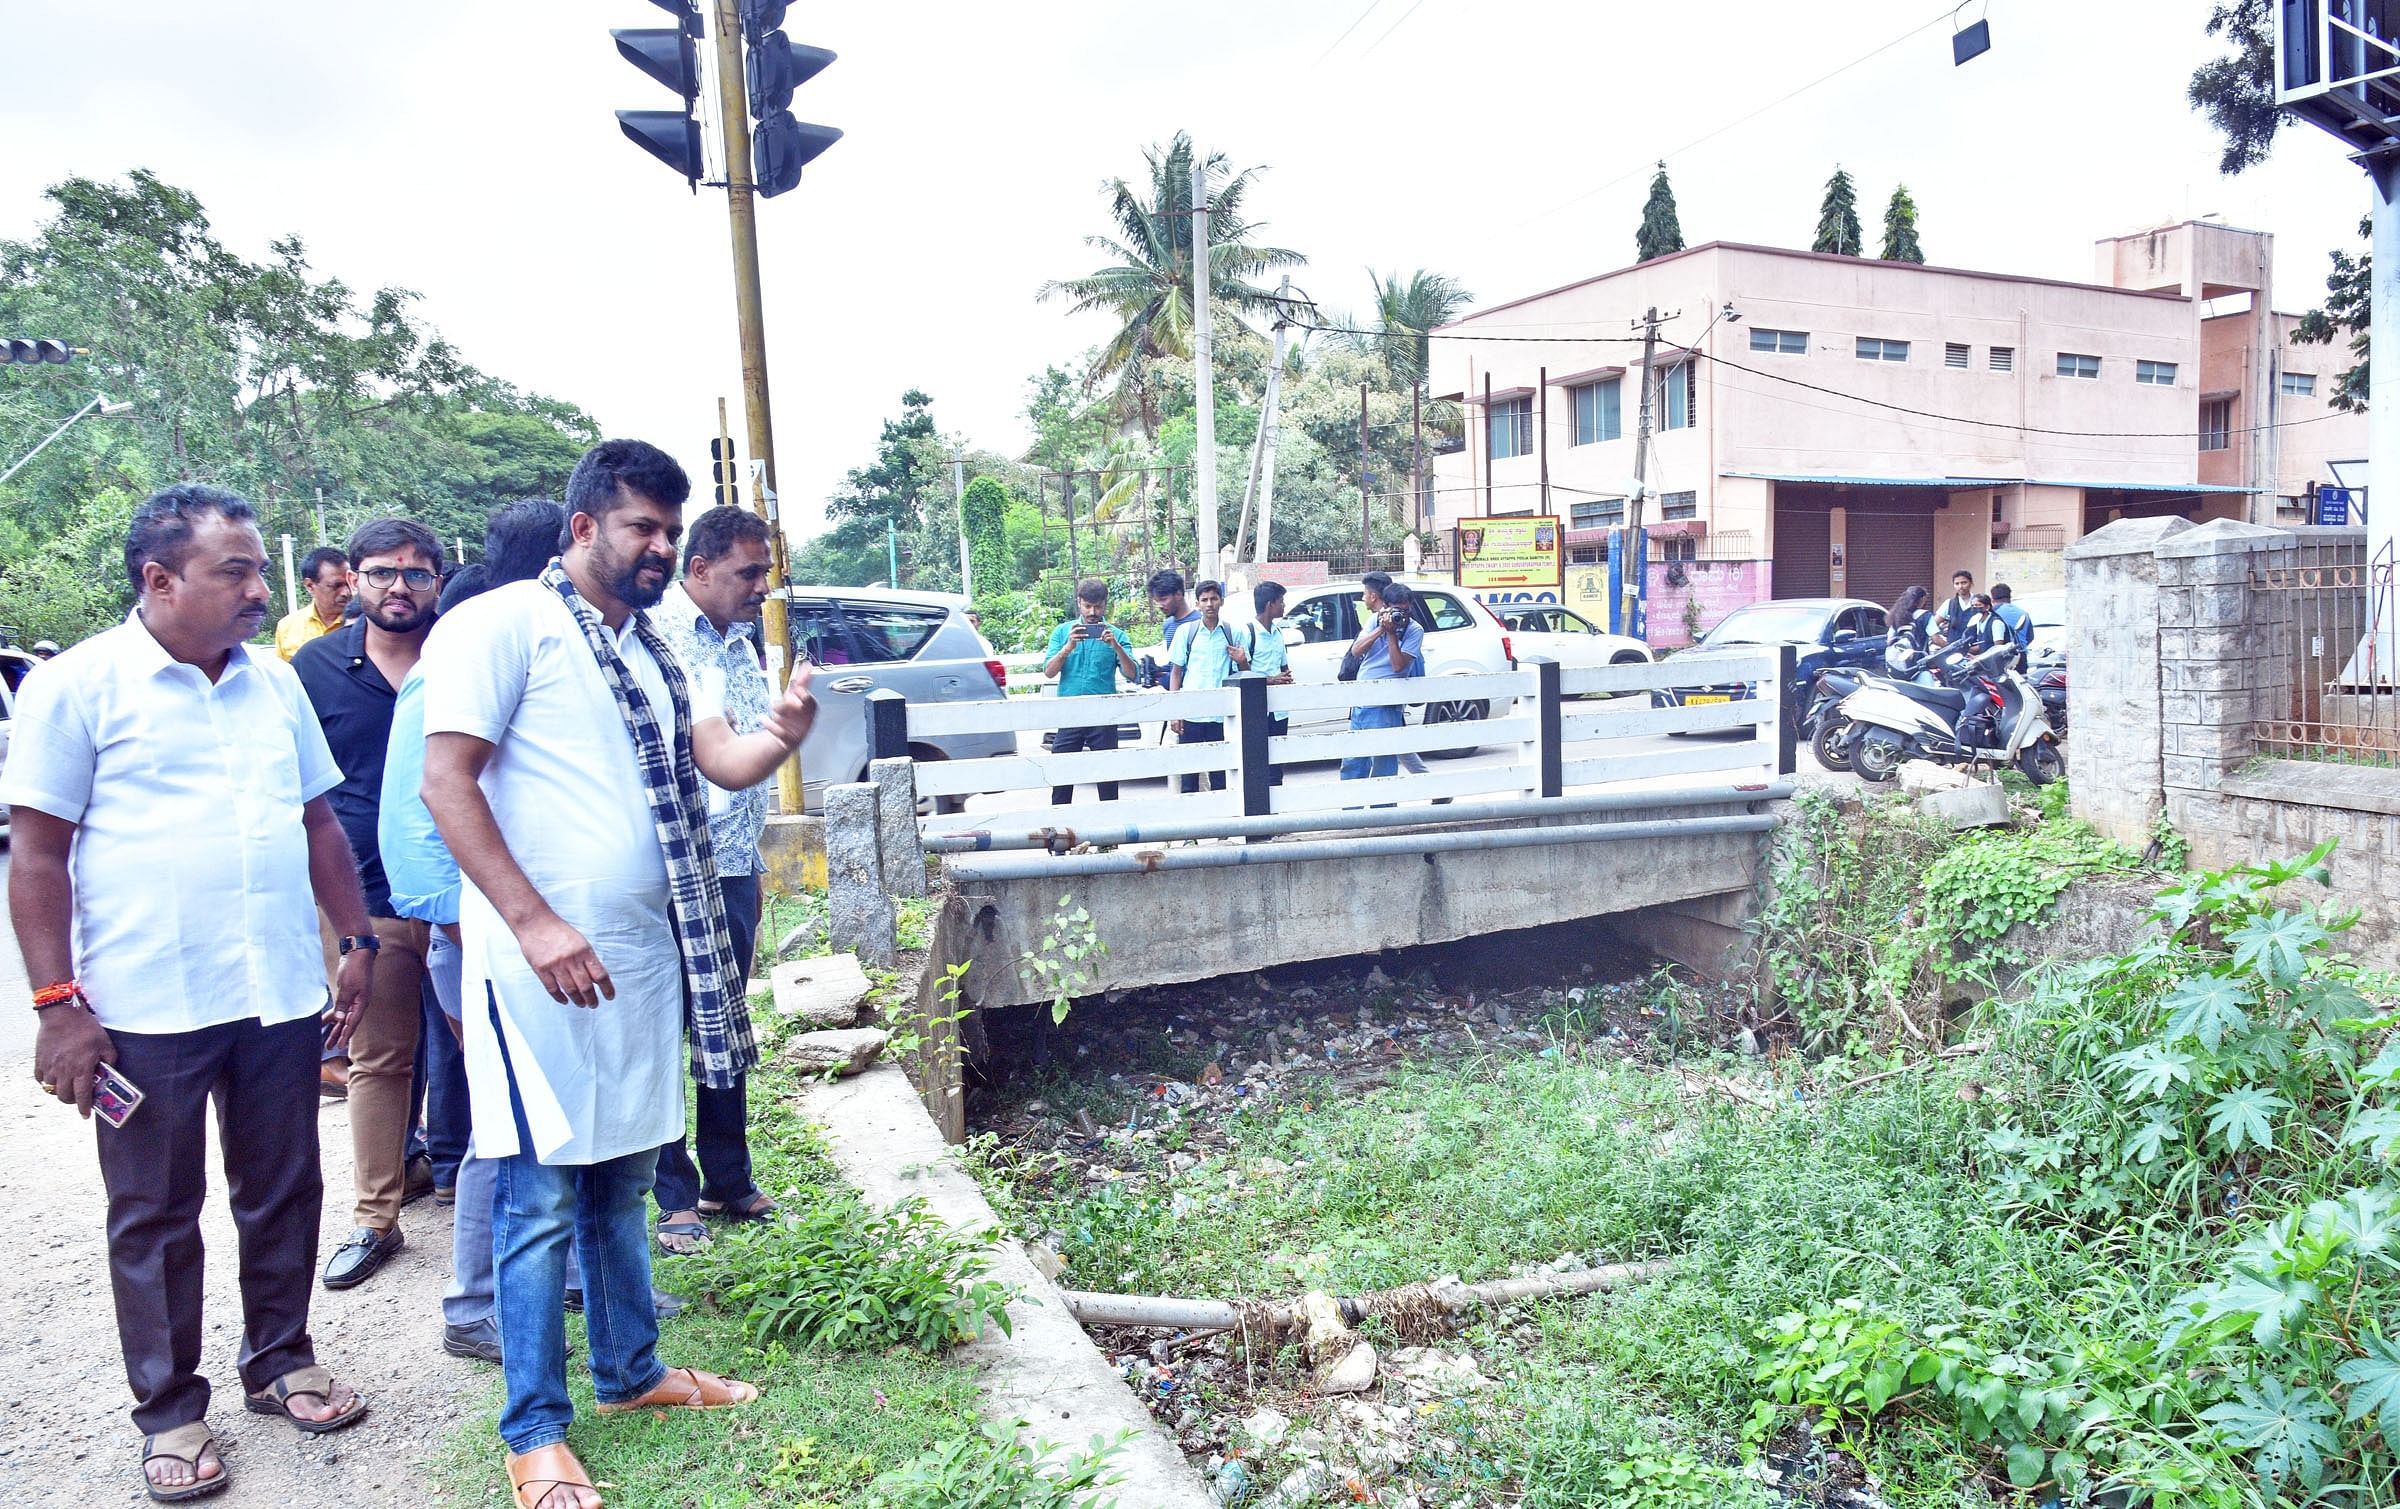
<point x="1508" y="553"/>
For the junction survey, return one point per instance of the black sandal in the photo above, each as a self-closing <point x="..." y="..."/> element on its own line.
<point x="184" y="1444"/>
<point x="694" y="1232"/>
<point x="758" y="1207"/>
<point x="311" y="1383"/>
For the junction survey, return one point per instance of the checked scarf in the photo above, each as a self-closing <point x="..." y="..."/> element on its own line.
<point x="716" y="1008"/>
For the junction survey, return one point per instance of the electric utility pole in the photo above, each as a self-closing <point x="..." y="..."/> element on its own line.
<point x="1629" y="534"/>
<point x="958" y="492"/>
<point x="1269" y="434"/>
<point x="1204" y="375"/>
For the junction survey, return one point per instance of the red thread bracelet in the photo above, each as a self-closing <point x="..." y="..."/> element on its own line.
<point x="57" y="994"/>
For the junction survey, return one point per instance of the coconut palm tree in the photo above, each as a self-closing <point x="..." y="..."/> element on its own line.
<point x="1404" y="312"/>
<point x="1147" y="287"/>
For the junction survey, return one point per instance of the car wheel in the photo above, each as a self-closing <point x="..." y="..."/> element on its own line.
<point x="1455" y="712"/>
<point x="1627" y="657"/>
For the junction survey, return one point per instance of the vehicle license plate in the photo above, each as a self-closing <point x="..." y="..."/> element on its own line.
<point x="1697" y="698"/>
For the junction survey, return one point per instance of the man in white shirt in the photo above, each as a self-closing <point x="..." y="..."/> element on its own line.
<point x="173" y="841"/>
<point x="562" y="766"/>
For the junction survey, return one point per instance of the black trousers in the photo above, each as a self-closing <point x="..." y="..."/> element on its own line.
<point x="155" y="1168"/>
<point x="1201" y="733"/>
<point x="1070" y="740"/>
<point x="722" y="1117"/>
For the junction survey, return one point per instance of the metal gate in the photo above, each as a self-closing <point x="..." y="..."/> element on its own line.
<point x="1889" y="553"/>
<point x="1803" y="552"/>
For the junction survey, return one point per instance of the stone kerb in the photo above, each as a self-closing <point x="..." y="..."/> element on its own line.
<point x="2114" y="760"/>
<point x="2224" y="648"/>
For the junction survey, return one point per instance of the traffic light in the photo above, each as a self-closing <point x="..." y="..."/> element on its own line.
<point x="727" y="471"/>
<point x="774" y="66"/>
<point x="35" y="353"/>
<point x="671" y="56"/>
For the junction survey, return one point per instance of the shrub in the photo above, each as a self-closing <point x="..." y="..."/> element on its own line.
<point x="839" y="1274"/>
<point x="996" y="1469"/>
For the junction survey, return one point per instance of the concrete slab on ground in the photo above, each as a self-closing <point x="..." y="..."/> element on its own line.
<point x="1047" y="1373"/>
<point x="823" y="992"/>
<point x="1979" y="804"/>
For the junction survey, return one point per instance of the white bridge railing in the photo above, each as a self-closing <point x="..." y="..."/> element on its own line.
<point x="1539" y="714"/>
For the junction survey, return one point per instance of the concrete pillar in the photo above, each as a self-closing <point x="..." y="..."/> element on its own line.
<point x="862" y="919"/>
<point x="2225" y="653"/>
<point x="2113" y="616"/>
<point x="903" y="852"/>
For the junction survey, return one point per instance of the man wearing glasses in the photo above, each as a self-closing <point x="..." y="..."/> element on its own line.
<point x="351" y="677"/>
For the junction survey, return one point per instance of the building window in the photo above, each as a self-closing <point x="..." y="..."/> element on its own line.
<point x="2299" y="384"/>
<point x="2216" y="424"/>
<point x="1871" y="349"/>
<point x="1678" y="396"/>
<point x="1677" y="547"/>
<point x="1955" y="354"/>
<point x="2156" y="374"/>
<point x="1511" y="428"/>
<point x="1679" y="505"/>
<point x="1599" y="411"/>
<point x="1782" y="342"/>
<point x="1584" y="555"/>
<point x="2070" y="364"/>
<point x="1600" y="513"/>
<point x="2004" y="358"/>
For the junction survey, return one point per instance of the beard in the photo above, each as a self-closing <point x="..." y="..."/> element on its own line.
<point x="393" y="620"/>
<point x="638" y="581"/>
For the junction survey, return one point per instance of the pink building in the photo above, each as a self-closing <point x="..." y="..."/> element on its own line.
<point x="1853" y="426"/>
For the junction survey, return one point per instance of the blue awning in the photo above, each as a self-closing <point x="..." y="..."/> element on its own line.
<point x="1961" y="484"/>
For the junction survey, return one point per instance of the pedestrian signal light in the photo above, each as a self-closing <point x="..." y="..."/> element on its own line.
<point x="669" y="56"/>
<point x="726" y="471"/>
<point x="36" y="353"/>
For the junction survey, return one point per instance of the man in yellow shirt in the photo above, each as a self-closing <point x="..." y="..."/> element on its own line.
<point x="327" y="575"/>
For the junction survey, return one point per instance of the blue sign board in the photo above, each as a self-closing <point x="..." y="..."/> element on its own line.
<point x="2333" y="506"/>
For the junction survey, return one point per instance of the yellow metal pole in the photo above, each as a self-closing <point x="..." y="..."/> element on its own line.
<point x="742" y="212"/>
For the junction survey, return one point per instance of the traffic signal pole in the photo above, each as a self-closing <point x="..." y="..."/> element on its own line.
<point x="741" y="206"/>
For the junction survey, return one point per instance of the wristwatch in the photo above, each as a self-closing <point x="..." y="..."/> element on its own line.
<point x="367" y="941"/>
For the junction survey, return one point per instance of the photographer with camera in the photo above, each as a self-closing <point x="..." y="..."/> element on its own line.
<point x="1086" y="654"/>
<point x="1387" y="650"/>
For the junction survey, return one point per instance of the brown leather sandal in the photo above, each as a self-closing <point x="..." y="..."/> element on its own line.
<point x="544" y="1470"/>
<point x="690" y="1388"/>
<point x="308" y="1382"/>
<point x="184" y="1444"/>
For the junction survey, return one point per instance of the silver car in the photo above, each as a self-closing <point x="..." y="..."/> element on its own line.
<point x="919" y="644"/>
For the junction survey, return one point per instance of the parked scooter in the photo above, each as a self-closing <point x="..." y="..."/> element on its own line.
<point x="1829" y="734"/>
<point x="1993" y="716"/>
<point x="2051" y="682"/>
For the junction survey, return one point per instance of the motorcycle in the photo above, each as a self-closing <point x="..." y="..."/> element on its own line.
<point x="1828" y="733"/>
<point x="1991" y="716"/>
<point x="2051" y="682"/>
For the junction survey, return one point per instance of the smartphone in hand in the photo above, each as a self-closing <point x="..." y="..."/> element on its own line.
<point x="114" y="1096"/>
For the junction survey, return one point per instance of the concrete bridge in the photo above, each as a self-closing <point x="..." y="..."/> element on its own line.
<point x="1590" y="797"/>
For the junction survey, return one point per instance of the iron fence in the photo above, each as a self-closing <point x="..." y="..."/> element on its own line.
<point x="2344" y="630"/>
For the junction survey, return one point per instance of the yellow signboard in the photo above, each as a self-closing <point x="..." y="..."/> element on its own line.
<point x="1522" y="551"/>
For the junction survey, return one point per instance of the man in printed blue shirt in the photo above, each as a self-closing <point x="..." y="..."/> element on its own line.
<point x="1388" y="649"/>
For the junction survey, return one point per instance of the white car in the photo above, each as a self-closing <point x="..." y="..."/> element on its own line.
<point x="1319" y="623"/>
<point x="14" y="663"/>
<point x="1550" y="632"/>
<point x="2049" y="610"/>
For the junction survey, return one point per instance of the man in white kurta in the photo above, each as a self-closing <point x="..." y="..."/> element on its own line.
<point x="575" y="980"/>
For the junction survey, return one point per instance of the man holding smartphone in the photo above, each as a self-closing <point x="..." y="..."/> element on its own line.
<point x="1086" y="655"/>
<point x="173" y="841"/>
<point x="1388" y="647"/>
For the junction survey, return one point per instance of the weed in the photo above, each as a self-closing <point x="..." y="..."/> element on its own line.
<point x="997" y="1469"/>
<point x="1056" y="965"/>
<point x="839" y="1274"/>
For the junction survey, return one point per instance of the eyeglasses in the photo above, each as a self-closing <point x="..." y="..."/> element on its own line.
<point x="381" y="577"/>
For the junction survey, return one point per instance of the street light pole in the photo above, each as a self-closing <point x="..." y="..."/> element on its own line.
<point x="99" y="402"/>
<point x="958" y="492"/>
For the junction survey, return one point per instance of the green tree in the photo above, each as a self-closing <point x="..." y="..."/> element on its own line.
<point x="1837" y="218"/>
<point x="1660" y="232"/>
<point x="1405" y="311"/>
<point x="894" y="485"/>
<point x="1147" y="286"/>
<point x="2237" y="91"/>
<point x="985" y="511"/>
<point x="2344" y="312"/>
<point x="1900" y="228"/>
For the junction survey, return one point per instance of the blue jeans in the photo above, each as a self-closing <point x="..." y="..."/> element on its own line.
<point x="1361" y="767"/>
<point x="722" y="1116"/>
<point x="446" y="1115"/>
<point x="536" y="1208"/>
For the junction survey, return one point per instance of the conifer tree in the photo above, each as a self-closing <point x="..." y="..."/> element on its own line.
<point x="1837" y="218"/>
<point x="1661" y="231"/>
<point x="1900" y="229"/>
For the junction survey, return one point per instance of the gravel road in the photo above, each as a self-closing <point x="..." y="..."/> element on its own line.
<point x="70" y="1437"/>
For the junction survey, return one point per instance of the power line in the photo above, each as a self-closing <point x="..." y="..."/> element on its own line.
<point x="1858" y="398"/>
<point x="1345" y="36"/>
<point x="1387" y="31"/>
<point x="1942" y="15"/>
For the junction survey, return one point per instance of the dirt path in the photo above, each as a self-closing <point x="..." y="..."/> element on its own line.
<point x="69" y="1437"/>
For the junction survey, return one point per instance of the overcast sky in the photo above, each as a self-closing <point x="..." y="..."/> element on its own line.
<point x="465" y="149"/>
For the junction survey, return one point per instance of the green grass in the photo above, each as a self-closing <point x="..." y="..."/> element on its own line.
<point x="826" y="1423"/>
<point x="1817" y="1194"/>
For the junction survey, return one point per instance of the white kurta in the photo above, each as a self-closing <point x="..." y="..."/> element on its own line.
<point x="512" y="668"/>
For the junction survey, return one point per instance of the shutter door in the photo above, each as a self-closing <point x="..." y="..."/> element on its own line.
<point x="1889" y="553"/>
<point x="1803" y="551"/>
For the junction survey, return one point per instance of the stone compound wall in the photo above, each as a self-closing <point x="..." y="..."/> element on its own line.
<point x="2174" y="655"/>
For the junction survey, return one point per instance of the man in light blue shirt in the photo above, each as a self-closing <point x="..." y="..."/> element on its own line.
<point x="1205" y="654"/>
<point x="1270" y="656"/>
<point x="1388" y="649"/>
<point x="2019" y="622"/>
